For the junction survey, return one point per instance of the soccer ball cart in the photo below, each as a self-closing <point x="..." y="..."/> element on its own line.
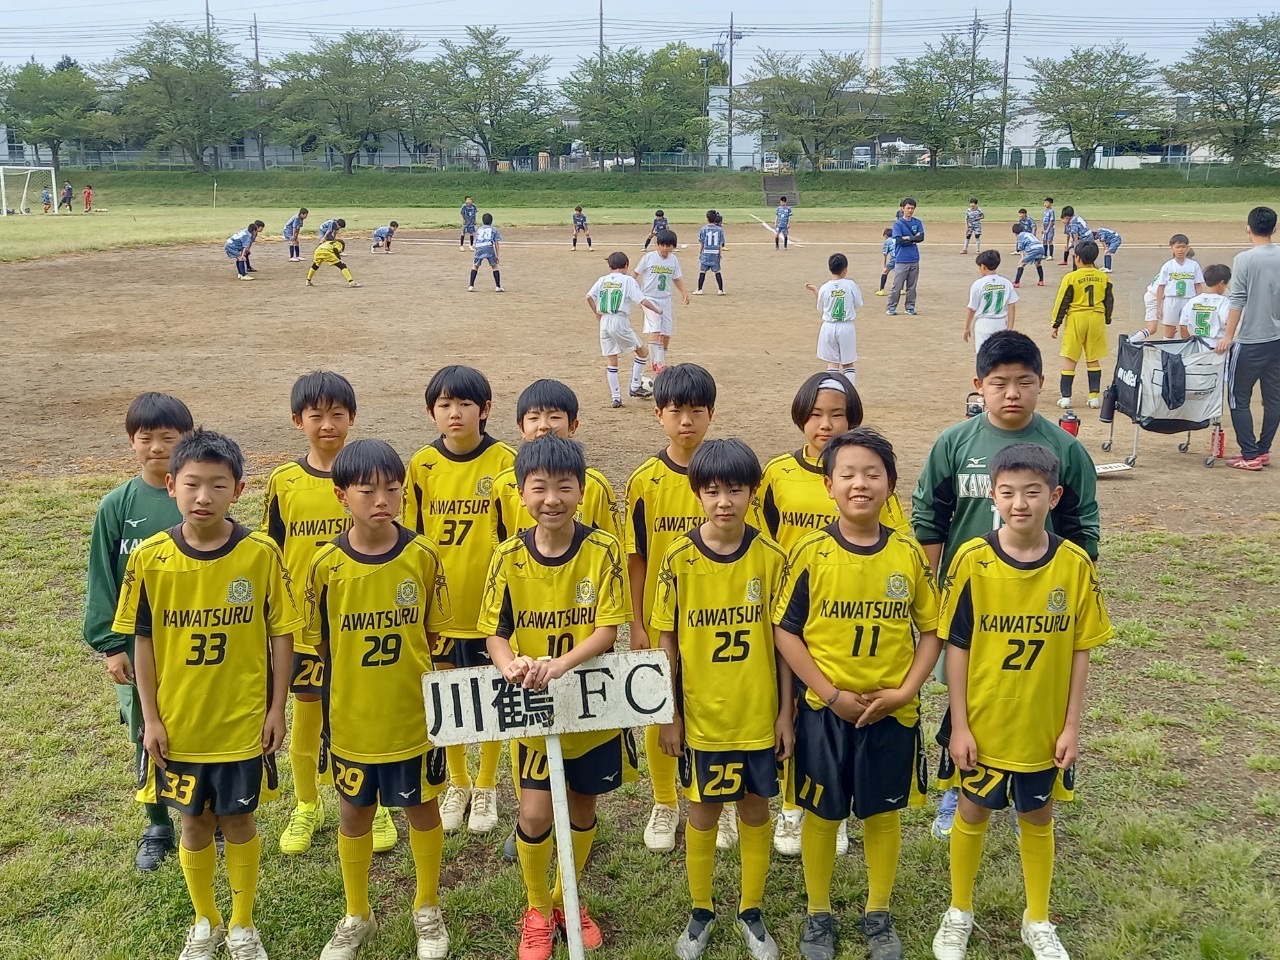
<point x="1167" y="387"/>
<point x="20" y="189"/>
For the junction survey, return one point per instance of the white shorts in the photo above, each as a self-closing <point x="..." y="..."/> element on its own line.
<point x="838" y="342"/>
<point x="1173" y="310"/>
<point x="616" y="336"/>
<point x="664" y="322"/>
<point x="984" y="327"/>
<point x="1149" y="306"/>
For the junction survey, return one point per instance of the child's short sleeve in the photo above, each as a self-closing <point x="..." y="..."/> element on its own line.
<point x="791" y="610"/>
<point x="317" y="583"/>
<point x="924" y="593"/>
<point x="133" y="613"/>
<point x="495" y="607"/>
<point x="282" y="607"/>
<point x="439" y="613"/>
<point x="612" y="608"/>
<point x="666" y="598"/>
<point x="1093" y="626"/>
<point x="955" y="613"/>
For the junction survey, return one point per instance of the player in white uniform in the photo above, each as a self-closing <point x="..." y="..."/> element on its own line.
<point x="1180" y="279"/>
<point x="658" y="273"/>
<point x="610" y="299"/>
<point x="1205" y="315"/>
<point x="991" y="301"/>
<point x="838" y="302"/>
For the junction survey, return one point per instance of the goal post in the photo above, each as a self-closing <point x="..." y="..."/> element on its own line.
<point x="21" y="189"/>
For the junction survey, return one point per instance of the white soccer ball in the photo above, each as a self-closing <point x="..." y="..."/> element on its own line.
<point x="646" y="383"/>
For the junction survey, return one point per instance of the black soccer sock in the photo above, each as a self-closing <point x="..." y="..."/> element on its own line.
<point x="575" y="243"/>
<point x="1017" y="277"/>
<point x="240" y="267"/>
<point x="702" y="277"/>
<point x="719" y="280"/>
<point x="646" y="242"/>
<point x="473" y="241"/>
<point x="786" y="241"/>
<point x="1095" y="381"/>
<point x="472" y="281"/>
<point x="1106" y="261"/>
<point x="1066" y="383"/>
<point x="1051" y="251"/>
<point x="776" y="243"/>
<point x="1040" y="273"/>
<point x="497" y="278"/>
<point x="462" y="240"/>
<point x="588" y="243"/>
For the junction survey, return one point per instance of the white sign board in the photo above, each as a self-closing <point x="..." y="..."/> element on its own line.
<point x="1105" y="468"/>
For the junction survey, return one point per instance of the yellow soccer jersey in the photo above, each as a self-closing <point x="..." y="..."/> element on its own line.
<point x="660" y="506"/>
<point x="301" y="514"/>
<point x="449" y="498"/>
<point x="1021" y="623"/>
<point x="720" y="608"/>
<point x="544" y="606"/>
<point x="854" y="607"/>
<point x="793" y="501"/>
<point x="1084" y="294"/>
<point x="209" y="614"/>
<point x="375" y="613"/>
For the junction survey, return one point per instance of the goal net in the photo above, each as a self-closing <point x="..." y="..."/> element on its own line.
<point x="22" y="189"/>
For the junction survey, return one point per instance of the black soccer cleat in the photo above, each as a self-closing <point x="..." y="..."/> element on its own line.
<point x="156" y="844"/>
<point x="818" y="941"/>
<point x="882" y="939"/>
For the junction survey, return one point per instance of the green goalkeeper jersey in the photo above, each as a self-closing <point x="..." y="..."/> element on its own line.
<point x="952" y="502"/>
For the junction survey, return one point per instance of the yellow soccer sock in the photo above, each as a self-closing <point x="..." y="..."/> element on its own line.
<point x="966" y="856"/>
<point x="754" y="844"/>
<point x="198" y="868"/>
<point x="1036" y="844"/>
<point x="347" y="273"/>
<point x="583" y="840"/>
<point x="490" y="754"/>
<point x="355" y="856"/>
<point x="304" y="748"/>
<point x="311" y="272"/>
<point x="535" y="863"/>
<point x="456" y="755"/>
<point x="881" y="845"/>
<point x="818" y="858"/>
<point x="700" y="863"/>
<point x="662" y="769"/>
<point x="428" y="850"/>
<point x="242" y="875"/>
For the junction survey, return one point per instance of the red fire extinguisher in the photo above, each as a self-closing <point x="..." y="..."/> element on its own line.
<point x="1218" y="441"/>
<point x="1070" y="422"/>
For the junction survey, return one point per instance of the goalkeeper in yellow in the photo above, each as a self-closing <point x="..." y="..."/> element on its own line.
<point x="330" y="252"/>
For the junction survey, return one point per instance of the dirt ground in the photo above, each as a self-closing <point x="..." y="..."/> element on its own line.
<point x="87" y="333"/>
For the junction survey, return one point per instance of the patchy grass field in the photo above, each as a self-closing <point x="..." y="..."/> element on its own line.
<point x="1172" y="850"/>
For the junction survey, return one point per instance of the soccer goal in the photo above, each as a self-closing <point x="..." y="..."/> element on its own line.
<point x="21" y="189"/>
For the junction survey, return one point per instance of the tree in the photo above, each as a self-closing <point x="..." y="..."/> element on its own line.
<point x="1233" y="80"/>
<point x="1096" y="95"/>
<point x="490" y="95"/>
<point x="823" y="105"/>
<point x="343" y="92"/>
<point x="946" y="99"/>
<point x="47" y="106"/>
<point x="182" y="86"/>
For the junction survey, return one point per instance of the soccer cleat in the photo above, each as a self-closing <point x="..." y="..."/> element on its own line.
<point x="842" y="839"/>
<point x="1042" y="938"/>
<point x="1094" y="401"/>
<point x="454" y="807"/>
<point x="946" y="817"/>
<point x="245" y="276"/>
<point x="1243" y="463"/>
<point x="433" y="935"/>
<point x="760" y="945"/>
<point x="353" y="283"/>
<point x="374" y="248"/>
<point x="309" y="283"/>
<point x="951" y="942"/>
<point x="692" y="944"/>
<point x="462" y="246"/>
<point x="911" y="311"/>
<point x="786" y="833"/>
<point x="305" y="822"/>
<point x="660" y="834"/>
<point x="592" y="938"/>
<point x="157" y="843"/>
<point x="243" y="943"/>
<point x="1039" y="283"/>
<point x="965" y="250"/>
<point x="498" y="290"/>
<point x="484" y="811"/>
<point x="719" y="293"/>
<point x="1017" y="286"/>
<point x="535" y="936"/>
<point x="727" y="828"/>
<point x="617" y="402"/>
<point x="818" y="940"/>
<point x="509" y="851"/>
<point x="471" y="289"/>
<point x="348" y="936"/>
<point x="203" y="941"/>
<point x="883" y="942"/>
<point x="882" y="292"/>
<point x="891" y="312"/>
<point x="1063" y="263"/>
<point x="698" y="292"/>
<point x="384" y="830"/>
<point x="1106" y="269"/>
<point x="1064" y="403"/>
<point x="640" y="393"/>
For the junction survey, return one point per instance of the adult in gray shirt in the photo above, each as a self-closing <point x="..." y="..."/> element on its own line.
<point x="1253" y="339"/>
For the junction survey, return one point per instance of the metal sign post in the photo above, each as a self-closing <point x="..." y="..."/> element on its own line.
<point x="614" y="691"/>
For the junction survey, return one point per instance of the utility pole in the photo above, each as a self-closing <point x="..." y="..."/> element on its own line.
<point x="1004" y="84"/>
<point x="208" y="23"/>
<point x="601" y="149"/>
<point x="976" y="31"/>
<point x="257" y="85"/>
<point x="733" y="35"/>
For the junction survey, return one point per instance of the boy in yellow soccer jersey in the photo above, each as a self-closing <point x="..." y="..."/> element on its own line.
<point x="660" y="507"/>
<point x="793" y="502"/>
<point x="716" y="589"/>
<point x="211" y="607"/>
<point x="380" y="573"/>
<point x="559" y="571"/>
<point x="449" y="497"/>
<point x="301" y="514"/>
<point x="852" y="594"/>
<point x="1021" y="610"/>
<point x="1084" y="305"/>
<point x="330" y="252"/>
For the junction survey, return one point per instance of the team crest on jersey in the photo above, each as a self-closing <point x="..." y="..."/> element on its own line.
<point x="896" y="587"/>
<point x="484" y="487"/>
<point x="240" y="591"/>
<point x="1057" y="600"/>
<point x="407" y="594"/>
<point x="755" y="590"/>
<point x="585" y="591"/>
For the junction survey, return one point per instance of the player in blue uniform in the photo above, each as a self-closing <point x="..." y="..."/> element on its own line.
<point x="468" y="212"/>
<point x="580" y="226"/>
<point x="1028" y="224"/>
<point x="711" y="237"/>
<point x="382" y="237"/>
<point x="238" y="245"/>
<point x="487" y="240"/>
<point x="1032" y="251"/>
<point x="292" y="231"/>
<point x="659" y="224"/>
<point x="973" y="217"/>
<point x="782" y="224"/>
<point x="1048" y="226"/>
<point x="1076" y="231"/>
<point x="1108" y="238"/>
<point x="329" y="229"/>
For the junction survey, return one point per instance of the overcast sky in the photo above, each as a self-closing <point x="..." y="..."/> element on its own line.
<point x="91" y="32"/>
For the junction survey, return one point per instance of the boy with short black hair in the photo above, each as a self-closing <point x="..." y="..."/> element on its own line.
<point x="237" y="249"/>
<point x="710" y="249"/>
<point x="1016" y="704"/>
<point x="1074" y="229"/>
<point x="468" y="212"/>
<point x="127" y="516"/>
<point x="888" y="250"/>
<point x="329" y="229"/>
<point x="610" y="299"/>
<point x="558" y="566"/>
<point x="782" y="224"/>
<point x="212" y="609"/>
<point x="1111" y="241"/>
<point x="728" y="747"/>
<point x="373" y="709"/>
<point x="485" y="246"/>
<point x="383" y="236"/>
<point x="292" y="232"/>
<point x="580" y="226"/>
<point x="1048" y="226"/>
<point x="991" y="301"/>
<point x="1025" y="220"/>
<point x="1179" y="280"/>
<point x="330" y="252"/>
<point x="660" y="223"/>
<point x="973" y="217"/>
<point x="1032" y="251"/>
<point x="858" y="741"/>
<point x="1084" y="305"/>
<point x="1205" y="315"/>
<point x="658" y="273"/>
<point x="838" y="302"/>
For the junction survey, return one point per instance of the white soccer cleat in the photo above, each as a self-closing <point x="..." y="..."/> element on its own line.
<point x="454" y="807"/>
<point x="842" y="839"/>
<point x="697" y="293"/>
<point x="498" y="290"/>
<point x="786" y="833"/>
<point x="951" y="942"/>
<point x="433" y="935"/>
<point x="484" y="811"/>
<point x="243" y="943"/>
<point x="727" y="835"/>
<point x="660" y="834"/>
<point x="1094" y="403"/>
<point x="719" y="293"/>
<point x="1042" y="938"/>
<point x="1064" y="403"/>
<point x="471" y="289"/>
<point x="348" y="936"/>
<point x="203" y="941"/>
